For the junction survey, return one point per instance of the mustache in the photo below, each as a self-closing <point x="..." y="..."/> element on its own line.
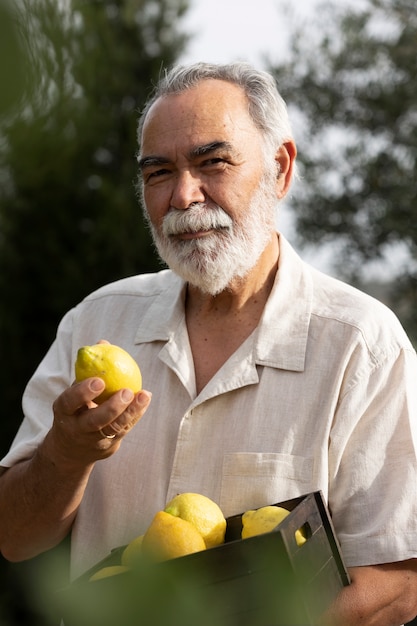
<point x="198" y="217"/>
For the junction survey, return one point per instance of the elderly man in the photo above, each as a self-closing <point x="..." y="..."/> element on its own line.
<point x="269" y="379"/>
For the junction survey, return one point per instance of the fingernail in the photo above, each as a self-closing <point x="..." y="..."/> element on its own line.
<point x="127" y="395"/>
<point x="97" y="384"/>
<point x="145" y="398"/>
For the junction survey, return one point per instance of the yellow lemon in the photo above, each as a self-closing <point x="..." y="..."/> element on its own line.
<point x="106" y="572"/>
<point x="111" y="363"/>
<point x="168" y="537"/>
<point x="132" y="553"/>
<point x="300" y="537"/>
<point x="203" y="513"/>
<point x="264" y="520"/>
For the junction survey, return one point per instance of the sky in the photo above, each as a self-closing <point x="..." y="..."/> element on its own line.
<point x="229" y="30"/>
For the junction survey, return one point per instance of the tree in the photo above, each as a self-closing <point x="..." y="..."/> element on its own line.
<point x="69" y="217"/>
<point x="351" y="80"/>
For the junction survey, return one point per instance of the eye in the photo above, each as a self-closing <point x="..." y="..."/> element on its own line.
<point x="214" y="162"/>
<point x="155" y="174"/>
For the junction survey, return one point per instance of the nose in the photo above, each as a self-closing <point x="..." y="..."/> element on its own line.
<point x="187" y="190"/>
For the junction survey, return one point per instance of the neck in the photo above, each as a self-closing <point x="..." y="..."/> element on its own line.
<point x="250" y="292"/>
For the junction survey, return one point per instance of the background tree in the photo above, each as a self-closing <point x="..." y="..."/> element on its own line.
<point x="69" y="217"/>
<point x="351" y="80"/>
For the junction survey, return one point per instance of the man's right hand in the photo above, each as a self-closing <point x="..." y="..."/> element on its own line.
<point x="84" y="432"/>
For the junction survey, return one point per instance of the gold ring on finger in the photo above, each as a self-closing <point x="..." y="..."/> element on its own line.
<point x="106" y="436"/>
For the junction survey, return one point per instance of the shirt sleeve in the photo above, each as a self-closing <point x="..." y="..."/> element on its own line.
<point x="373" y="466"/>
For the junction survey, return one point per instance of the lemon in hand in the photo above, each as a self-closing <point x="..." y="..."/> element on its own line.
<point x="111" y="363"/>
<point x="203" y="513"/>
<point x="169" y="537"/>
<point x="264" y="520"/>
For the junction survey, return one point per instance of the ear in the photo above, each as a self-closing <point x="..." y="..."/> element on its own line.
<point x="285" y="158"/>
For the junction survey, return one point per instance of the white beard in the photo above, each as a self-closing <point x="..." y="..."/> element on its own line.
<point x="212" y="262"/>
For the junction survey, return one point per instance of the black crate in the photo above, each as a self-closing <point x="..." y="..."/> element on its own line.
<point x="267" y="580"/>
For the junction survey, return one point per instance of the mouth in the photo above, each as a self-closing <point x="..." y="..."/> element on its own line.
<point x="193" y="234"/>
<point x="198" y="234"/>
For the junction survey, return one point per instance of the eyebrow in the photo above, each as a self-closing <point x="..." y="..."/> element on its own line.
<point x="149" y="161"/>
<point x="214" y="146"/>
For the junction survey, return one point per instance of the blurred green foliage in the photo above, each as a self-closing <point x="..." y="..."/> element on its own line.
<point x="14" y="70"/>
<point x="239" y="584"/>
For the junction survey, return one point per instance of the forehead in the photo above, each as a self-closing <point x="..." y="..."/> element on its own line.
<point x="213" y="110"/>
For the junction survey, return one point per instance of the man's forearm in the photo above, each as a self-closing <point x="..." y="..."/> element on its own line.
<point x="41" y="497"/>
<point x="380" y="595"/>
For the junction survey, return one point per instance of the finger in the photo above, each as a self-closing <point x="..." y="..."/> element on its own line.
<point x="103" y="434"/>
<point x="78" y="396"/>
<point x="126" y="420"/>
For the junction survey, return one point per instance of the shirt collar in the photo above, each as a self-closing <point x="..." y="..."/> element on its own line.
<point x="283" y="330"/>
<point x="166" y="310"/>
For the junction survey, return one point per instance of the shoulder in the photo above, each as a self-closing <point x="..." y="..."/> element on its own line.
<point x="335" y="307"/>
<point x="119" y="310"/>
<point x="125" y="302"/>
<point x="343" y="305"/>
<point x="138" y="286"/>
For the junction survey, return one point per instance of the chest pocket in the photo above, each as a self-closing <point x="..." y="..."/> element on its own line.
<point x="252" y="479"/>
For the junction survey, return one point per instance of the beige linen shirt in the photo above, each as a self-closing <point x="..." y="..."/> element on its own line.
<point x="323" y="395"/>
